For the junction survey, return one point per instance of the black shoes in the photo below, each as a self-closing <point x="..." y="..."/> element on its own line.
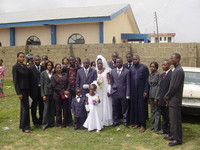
<point x="27" y="131"/>
<point x="36" y="126"/>
<point x="174" y="143"/>
<point x="168" y="138"/>
<point x="115" y="124"/>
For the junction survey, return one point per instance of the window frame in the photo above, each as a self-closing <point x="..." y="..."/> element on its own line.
<point x="81" y="38"/>
<point x="34" y="42"/>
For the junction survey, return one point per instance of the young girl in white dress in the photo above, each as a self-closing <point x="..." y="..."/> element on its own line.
<point x="93" y="121"/>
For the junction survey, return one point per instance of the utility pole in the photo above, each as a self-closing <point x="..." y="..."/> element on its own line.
<point x="156" y="19"/>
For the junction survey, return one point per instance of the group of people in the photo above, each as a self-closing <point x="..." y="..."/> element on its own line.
<point x="100" y="94"/>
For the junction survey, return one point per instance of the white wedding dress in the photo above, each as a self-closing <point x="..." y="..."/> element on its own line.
<point x="105" y="107"/>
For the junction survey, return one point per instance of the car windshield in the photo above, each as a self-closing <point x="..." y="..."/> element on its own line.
<point x="192" y="78"/>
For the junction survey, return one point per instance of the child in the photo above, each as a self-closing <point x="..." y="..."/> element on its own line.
<point x="93" y="120"/>
<point x="78" y="109"/>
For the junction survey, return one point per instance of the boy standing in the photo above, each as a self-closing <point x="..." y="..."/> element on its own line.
<point x="78" y="109"/>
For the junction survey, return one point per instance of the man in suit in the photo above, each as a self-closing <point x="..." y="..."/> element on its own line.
<point x="162" y="90"/>
<point x="174" y="100"/>
<point x="120" y="91"/>
<point x="85" y="76"/>
<point x="129" y="59"/>
<point x="112" y="63"/>
<point x="35" y="91"/>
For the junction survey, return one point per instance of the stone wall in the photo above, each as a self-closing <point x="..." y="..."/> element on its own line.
<point x="190" y="52"/>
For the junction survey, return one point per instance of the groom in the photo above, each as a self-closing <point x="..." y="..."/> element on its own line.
<point x="120" y="91"/>
<point x="85" y="76"/>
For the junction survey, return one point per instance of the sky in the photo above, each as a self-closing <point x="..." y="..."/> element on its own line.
<point x="174" y="16"/>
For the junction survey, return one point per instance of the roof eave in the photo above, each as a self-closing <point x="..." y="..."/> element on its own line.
<point x="56" y="21"/>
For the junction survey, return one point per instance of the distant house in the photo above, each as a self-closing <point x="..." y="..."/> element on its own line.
<point x="80" y="25"/>
<point x="163" y="37"/>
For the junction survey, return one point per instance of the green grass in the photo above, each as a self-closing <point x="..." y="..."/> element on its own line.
<point x="68" y="139"/>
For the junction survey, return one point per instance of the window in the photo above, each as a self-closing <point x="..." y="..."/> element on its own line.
<point x="165" y="38"/>
<point x="33" y="40"/>
<point x="0" y="44"/>
<point x="76" y="39"/>
<point x="169" y="39"/>
<point x="156" y="40"/>
<point x="160" y="38"/>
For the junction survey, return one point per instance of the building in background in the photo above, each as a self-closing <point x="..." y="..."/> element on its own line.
<point x="77" y="25"/>
<point x="162" y="37"/>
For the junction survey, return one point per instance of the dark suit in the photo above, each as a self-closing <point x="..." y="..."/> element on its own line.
<point x="60" y="84"/>
<point x="80" y="114"/>
<point x="112" y="65"/>
<point x="49" y="106"/>
<point x="162" y="90"/>
<point x="174" y="95"/>
<point x="126" y="65"/>
<point x="35" y="94"/>
<point x="21" y="83"/>
<point x="82" y="79"/>
<point x="120" y="89"/>
<point x="155" y="113"/>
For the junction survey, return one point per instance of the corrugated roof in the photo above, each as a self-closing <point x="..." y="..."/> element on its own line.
<point x="63" y="13"/>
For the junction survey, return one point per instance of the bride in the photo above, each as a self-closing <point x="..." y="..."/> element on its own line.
<point x="103" y="89"/>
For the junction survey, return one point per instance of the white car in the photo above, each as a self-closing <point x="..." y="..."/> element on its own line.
<point x="191" y="91"/>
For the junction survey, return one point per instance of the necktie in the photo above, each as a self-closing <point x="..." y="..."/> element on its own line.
<point x="119" y="72"/>
<point x="129" y="65"/>
<point x="86" y="72"/>
<point x="38" y="68"/>
<point x="164" y="74"/>
<point x="78" y="99"/>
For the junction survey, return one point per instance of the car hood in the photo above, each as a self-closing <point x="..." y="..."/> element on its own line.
<point x="191" y="91"/>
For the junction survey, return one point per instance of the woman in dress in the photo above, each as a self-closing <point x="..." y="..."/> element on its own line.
<point x="2" y="70"/>
<point x="21" y="82"/>
<point x="103" y="89"/>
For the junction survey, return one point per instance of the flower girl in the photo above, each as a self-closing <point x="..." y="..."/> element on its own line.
<point x="93" y="121"/>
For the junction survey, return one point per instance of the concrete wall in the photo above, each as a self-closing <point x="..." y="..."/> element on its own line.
<point x="120" y="24"/>
<point x="5" y="37"/>
<point x="190" y="52"/>
<point x="90" y="32"/>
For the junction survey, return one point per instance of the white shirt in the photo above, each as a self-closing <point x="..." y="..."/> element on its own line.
<point x="49" y="73"/>
<point x="119" y="71"/>
<point x="78" y="98"/>
<point x="86" y="71"/>
<point x="167" y="71"/>
<point x="38" y="67"/>
<point x="130" y="64"/>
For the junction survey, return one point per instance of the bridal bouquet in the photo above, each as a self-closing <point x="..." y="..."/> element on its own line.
<point x="100" y="81"/>
<point x="95" y="100"/>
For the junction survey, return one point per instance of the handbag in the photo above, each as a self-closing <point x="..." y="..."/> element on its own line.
<point x="62" y="96"/>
